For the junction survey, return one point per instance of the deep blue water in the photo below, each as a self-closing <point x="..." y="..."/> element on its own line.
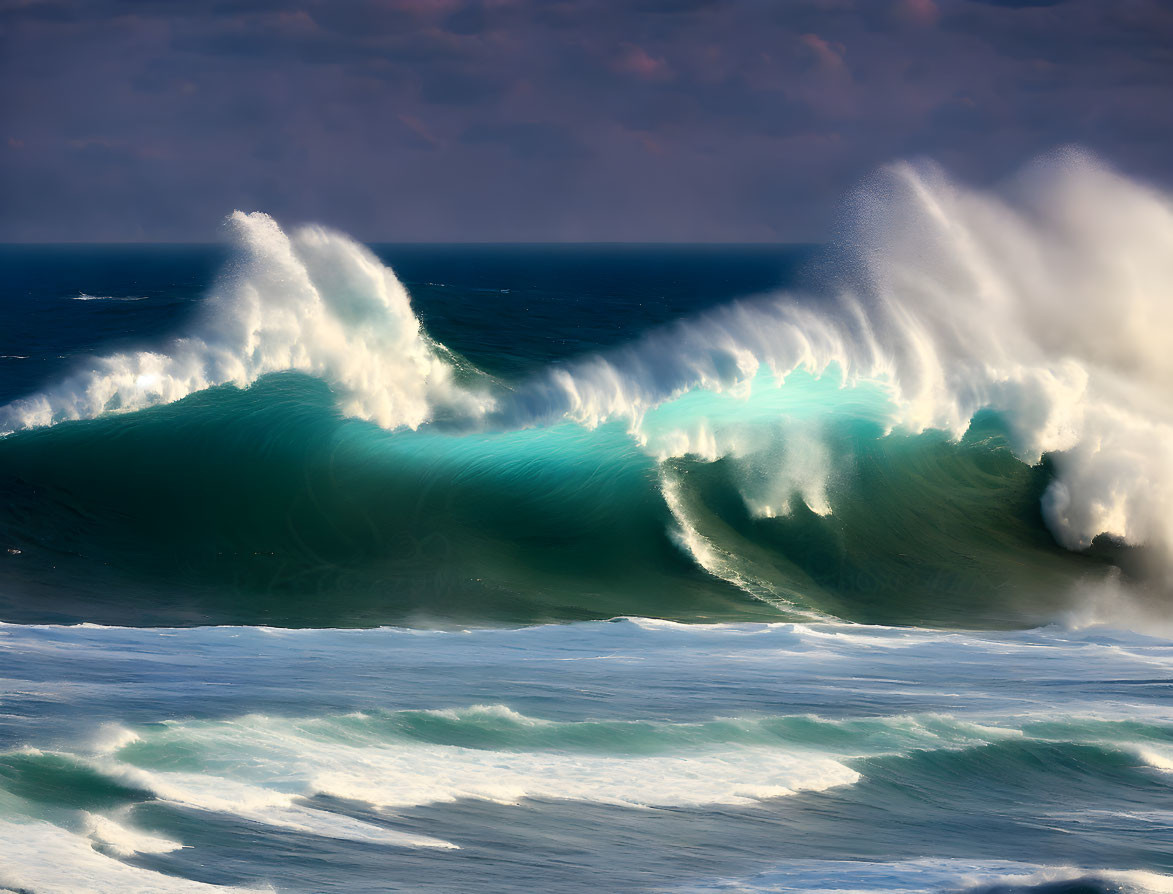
<point x="744" y="639"/>
<point x="508" y="307"/>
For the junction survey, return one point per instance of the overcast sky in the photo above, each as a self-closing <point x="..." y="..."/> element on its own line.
<point x="549" y="120"/>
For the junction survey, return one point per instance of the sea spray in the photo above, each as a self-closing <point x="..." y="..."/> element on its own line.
<point x="314" y="301"/>
<point x="841" y="447"/>
<point x="1048" y="303"/>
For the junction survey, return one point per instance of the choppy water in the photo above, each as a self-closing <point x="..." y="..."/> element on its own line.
<point x="609" y="568"/>
<point x="621" y="755"/>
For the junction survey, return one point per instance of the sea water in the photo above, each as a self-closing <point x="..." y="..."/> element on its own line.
<point x="330" y="567"/>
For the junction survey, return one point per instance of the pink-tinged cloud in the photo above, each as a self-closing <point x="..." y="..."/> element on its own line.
<point x="547" y="116"/>
<point x="829" y="55"/>
<point x="651" y="145"/>
<point x="919" y="12"/>
<point x="635" y="60"/>
<point x="420" y="130"/>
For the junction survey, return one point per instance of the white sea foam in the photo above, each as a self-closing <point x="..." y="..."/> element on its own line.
<point x="271" y="794"/>
<point x="41" y="857"/>
<point x="1047" y="301"/>
<point x="1157" y="758"/>
<point x="125" y="840"/>
<point x="1108" y="603"/>
<point x="265" y="769"/>
<point x="924" y="876"/>
<point x="258" y="767"/>
<point x="86" y="297"/>
<point x="111" y="736"/>
<point x="723" y="563"/>
<point x="314" y="301"/>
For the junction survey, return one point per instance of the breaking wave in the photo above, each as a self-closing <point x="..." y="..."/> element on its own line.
<point x="969" y="381"/>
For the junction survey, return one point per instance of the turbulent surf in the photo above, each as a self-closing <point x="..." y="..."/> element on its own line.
<point x="327" y="567"/>
<point x="630" y="755"/>
<point x="960" y="414"/>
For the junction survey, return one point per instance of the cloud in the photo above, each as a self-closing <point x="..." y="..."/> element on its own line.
<point x="459" y="88"/>
<point x="635" y="60"/>
<point x="538" y="119"/>
<point x="1019" y="4"/>
<point x="920" y="12"/>
<point x="527" y="139"/>
<point x="829" y="55"/>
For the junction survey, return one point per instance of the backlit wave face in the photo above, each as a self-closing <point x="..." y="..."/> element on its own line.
<point x="1050" y="305"/>
<point x="1036" y="319"/>
<point x="314" y="302"/>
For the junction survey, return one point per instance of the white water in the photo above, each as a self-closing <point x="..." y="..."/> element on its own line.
<point x="48" y="859"/>
<point x="314" y="301"/>
<point x="923" y="877"/>
<point x="1049" y="301"/>
<point x="238" y="732"/>
<point x="255" y="766"/>
<point x="87" y="297"/>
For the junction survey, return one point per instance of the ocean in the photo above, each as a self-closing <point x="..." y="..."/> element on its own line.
<point x="749" y="568"/>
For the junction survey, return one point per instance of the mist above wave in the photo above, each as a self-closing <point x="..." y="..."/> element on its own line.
<point x="314" y="301"/>
<point x="1046" y="301"/>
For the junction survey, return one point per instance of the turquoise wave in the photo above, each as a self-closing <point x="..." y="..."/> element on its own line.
<point x="895" y="758"/>
<point x="266" y="506"/>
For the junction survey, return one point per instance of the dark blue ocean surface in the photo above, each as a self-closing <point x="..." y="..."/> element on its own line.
<point x="622" y="756"/>
<point x="264" y="506"/>
<point x="504" y="306"/>
<point x="553" y="568"/>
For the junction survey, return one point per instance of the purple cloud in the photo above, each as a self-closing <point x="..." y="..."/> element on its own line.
<point x="548" y="119"/>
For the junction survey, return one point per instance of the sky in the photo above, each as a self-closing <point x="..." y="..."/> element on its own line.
<point x="549" y="120"/>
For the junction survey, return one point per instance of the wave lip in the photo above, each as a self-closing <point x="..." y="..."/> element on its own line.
<point x="1044" y="304"/>
<point x="314" y="302"/>
<point x="1048" y="304"/>
<point x="297" y="774"/>
<point x="393" y="762"/>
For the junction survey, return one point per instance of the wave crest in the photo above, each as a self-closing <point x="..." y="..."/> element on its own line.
<point x="1046" y="302"/>
<point x="314" y="301"/>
